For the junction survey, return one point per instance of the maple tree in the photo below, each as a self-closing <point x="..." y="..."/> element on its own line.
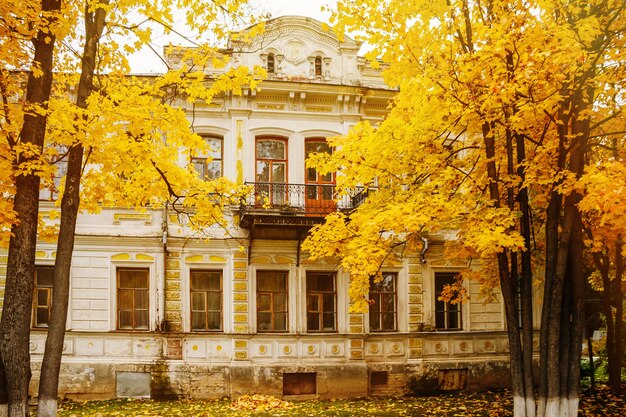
<point x="500" y="104"/>
<point x="23" y="136"/>
<point x="122" y="139"/>
<point x="605" y="228"/>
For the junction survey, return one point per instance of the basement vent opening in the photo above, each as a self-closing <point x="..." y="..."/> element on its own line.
<point x="300" y="383"/>
<point x="378" y="378"/>
<point x="452" y="379"/>
<point x="132" y="384"/>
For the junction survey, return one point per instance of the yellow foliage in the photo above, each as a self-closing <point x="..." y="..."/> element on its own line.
<point x="133" y="129"/>
<point x="473" y="78"/>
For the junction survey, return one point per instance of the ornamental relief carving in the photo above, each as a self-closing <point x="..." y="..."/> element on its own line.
<point x="294" y="52"/>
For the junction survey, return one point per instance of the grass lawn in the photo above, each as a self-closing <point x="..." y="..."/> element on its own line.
<point x="489" y="404"/>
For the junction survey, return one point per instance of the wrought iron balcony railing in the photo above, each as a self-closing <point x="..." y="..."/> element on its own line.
<point x="308" y="199"/>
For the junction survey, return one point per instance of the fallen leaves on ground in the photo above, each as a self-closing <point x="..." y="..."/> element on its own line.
<point x="598" y="402"/>
<point x="258" y="403"/>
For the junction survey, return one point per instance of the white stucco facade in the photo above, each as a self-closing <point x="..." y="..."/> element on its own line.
<point x="297" y="102"/>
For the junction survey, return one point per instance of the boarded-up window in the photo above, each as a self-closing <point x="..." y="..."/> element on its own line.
<point x="321" y="298"/>
<point x="379" y="377"/>
<point x="300" y="383"/>
<point x="452" y="379"/>
<point x="206" y="300"/>
<point x="271" y="301"/>
<point x="383" y="312"/>
<point x="133" y="306"/>
<point x="42" y="300"/>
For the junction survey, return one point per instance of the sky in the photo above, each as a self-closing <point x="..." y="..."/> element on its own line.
<point x="147" y="62"/>
<point x="308" y="8"/>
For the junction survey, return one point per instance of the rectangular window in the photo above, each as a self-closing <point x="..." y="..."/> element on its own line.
<point x="320" y="188"/>
<point x="271" y="171"/>
<point x="271" y="301"/>
<point x="383" y="309"/>
<point x="133" y="307"/>
<point x="210" y="167"/>
<point x="42" y="300"/>
<point x="447" y="314"/>
<point x="206" y="300"/>
<point x="51" y="185"/>
<point x="321" y="296"/>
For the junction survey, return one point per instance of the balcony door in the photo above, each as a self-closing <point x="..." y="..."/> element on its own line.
<point x="271" y="171"/>
<point x="319" y="188"/>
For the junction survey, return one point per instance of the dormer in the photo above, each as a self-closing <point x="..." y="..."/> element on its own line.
<point x="302" y="49"/>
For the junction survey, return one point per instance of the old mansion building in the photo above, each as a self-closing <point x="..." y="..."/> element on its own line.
<point x="202" y="318"/>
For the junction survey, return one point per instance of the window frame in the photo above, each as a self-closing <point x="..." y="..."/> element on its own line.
<point x="446" y="304"/>
<point x="271" y="160"/>
<point x="277" y="192"/>
<point x="134" y="328"/>
<point x="206" y="311"/>
<point x="382" y="311"/>
<point x="318" y="68"/>
<point x="271" y="59"/>
<point x="49" y="293"/>
<point x="204" y="160"/>
<point x="51" y="191"/>
<point x="320" y="295"/>
<point x="318" y="180"/>
<point x="286" y="274"/>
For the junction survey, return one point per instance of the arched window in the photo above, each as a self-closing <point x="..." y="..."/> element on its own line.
<point x="210" y="165"/>
<point x="271" y="169"/>
<point x="318" y="66"/>
<point x="270" y="64"/>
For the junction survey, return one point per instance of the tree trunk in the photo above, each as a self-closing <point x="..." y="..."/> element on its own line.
<point x="592" y="370"/>
<point x="551" y="242"/>
<point x="576" y="322"/>
<point x="16" y="312"/>
<point x="508" y="283"/>
<point x="526" y="283"/>
<point x="48" y="386"/>
<point x="615" y="362"/>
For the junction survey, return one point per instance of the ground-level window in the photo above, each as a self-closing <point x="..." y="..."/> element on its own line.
<point x="321" y="305"/>
<point x="300" y="383"/>
<point x="206" y="300"/>
<point x="42" y="300"/>
<point x="133" y="306"/>
<point x="271" y="301"/>
<point x="383" y="307"/>
<point x="447" y="313"/>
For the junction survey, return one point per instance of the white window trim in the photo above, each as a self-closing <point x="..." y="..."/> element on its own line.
<point x="227" y="291"/>
<point x="341" y="299"/>
<point x="429" y="295"/>
<point x="292" y="296"/>
<point x="152" y="293"/>
<point x="401" y="302"/>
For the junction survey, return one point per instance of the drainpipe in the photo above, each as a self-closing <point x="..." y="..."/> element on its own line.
<point x="424" y="249"/>
<point x="161" y="285"/>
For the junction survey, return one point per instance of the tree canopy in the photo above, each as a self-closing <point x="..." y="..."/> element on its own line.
<point x="492" y="141"/>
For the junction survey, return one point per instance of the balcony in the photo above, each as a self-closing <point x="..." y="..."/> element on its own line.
<point x="288" y="211"/>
